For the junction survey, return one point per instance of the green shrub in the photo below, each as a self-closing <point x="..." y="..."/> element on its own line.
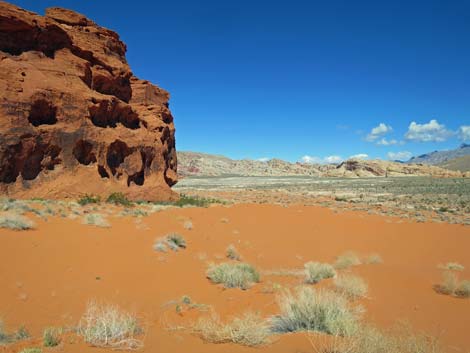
<point x="239" y="275"/>
<point x="118" y="198"/>
<point x="316" y="271"/>
<point x="87" y="199"/>
<point x="51" y="337"/>
<point x="315" y="310"/>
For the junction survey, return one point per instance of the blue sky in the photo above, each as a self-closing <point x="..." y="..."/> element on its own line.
<point x="253" y="79"/>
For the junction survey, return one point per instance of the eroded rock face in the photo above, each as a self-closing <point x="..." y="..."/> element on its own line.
<point x="74" y="119"/>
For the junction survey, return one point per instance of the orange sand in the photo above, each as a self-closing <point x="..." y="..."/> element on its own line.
<point x="49" y="274"/>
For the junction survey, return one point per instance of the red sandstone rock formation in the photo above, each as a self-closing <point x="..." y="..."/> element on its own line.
<point x="74" y="119"/>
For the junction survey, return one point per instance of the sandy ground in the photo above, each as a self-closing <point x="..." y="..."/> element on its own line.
<point x="49" y="274"/>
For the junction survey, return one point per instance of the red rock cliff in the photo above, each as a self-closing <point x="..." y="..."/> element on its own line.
<point x="74" y="119"/>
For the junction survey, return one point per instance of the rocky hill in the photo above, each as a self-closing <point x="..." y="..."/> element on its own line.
<point x="74" y="118"/>
<point x="440" y="157"/>
<point x="461" y="163"/>
<point x="201" y="164"/>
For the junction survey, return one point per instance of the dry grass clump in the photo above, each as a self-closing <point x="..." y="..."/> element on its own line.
<point x="248" y="330"/>
<point x="452" y="266"/>
<point x="51" y="337"/>
<point x="15" y="221"/>
<point x="347" y="260"/>
<point x="315" y="310"/>
<point x="285" y="272"/>
<point x="316" y="271"/>
<point x="96" y="219"/>
<point x="463" y="289"/>
<point x="173" y="241"/>
<point x="351" y="286"/>
<point x="373" y="259"/>
<point x="372" y="340"/>
<point x="109" y="326"/>
<point x="239" y="275"/>
<point x="452" y="286"/>
<point x="32" y="350"/>
<point x="232" y="253"/>
<point x="6" y="338"/>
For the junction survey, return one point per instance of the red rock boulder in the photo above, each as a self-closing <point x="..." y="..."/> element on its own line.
<point x="74" y="119"/>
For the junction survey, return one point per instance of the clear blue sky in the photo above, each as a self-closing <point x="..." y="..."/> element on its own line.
<point x="288" y="79"/>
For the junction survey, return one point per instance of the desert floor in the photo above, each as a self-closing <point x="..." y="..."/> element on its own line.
<point x="50" y="273"/>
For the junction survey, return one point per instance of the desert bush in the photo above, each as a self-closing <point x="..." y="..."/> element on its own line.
<point x="87" y="199"/>
<point x="19" y="335"/>
<point x="373" y="259"/>
<point x="452" y="266"/>
<point x="232" y="253"/>
<point x="186" y="200"/>
<point x="188" y="225"/>
<point x="51" y="337"/>
<point x="173" y="241"/>
<point x="32" y="350"/>
<point x="315" y="310"/>
<point x="248" y="330"/>
<point x="463" y="289"/>
<point x="351" y="286"/>
<point x="15" y="222"/>
<point x="347" y="260"/>
<point x="239" y="275"/>
<point x="316" y="271"/>
<point x="109" y="326"/>
<point x="96" y="219"/>
<point x="118" y="198"/>
<point x="372" y="340"/>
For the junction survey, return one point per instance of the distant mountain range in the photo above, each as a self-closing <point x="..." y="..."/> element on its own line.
<point x="442" y="157"/>
<point x="202" y="164"/>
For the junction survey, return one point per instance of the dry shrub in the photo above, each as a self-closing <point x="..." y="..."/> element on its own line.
<point x="315" y="310"/>
<point x="239" y="275"/>
<point x="232" y="253"/>
<point x="452" y="266"/>
<point x="248" y="330"/>
<point x="351" y="286"/>
<point x="451" y="285"/>
<point x="372" y="340"/>
<point x="108" y="326"/>
<point x="347" y="260"/>
<point x="316" y="271"/>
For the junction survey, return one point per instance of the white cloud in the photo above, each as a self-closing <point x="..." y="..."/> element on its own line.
<point x="464" y="133"/>
<point x="263" y="159"/>
<point x="333" y="159"/>
<point x="378" y="131"/>
<point x="430" y="132"/>
<point x="359" y="156"/>
<point x="399" y="156"/>
<point x="310" y="159"/>
<point x="384" y="142"/>
<point x="318" y="160"/>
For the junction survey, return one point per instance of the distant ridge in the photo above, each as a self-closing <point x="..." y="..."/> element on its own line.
<point x="203" y="164"/>
<point x="440" y="157"/>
